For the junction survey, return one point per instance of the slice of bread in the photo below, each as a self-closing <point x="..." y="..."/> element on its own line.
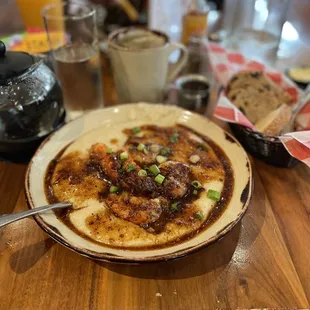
<point x="253" y="104"/>
<point x="259" y="81"/>
<point x="275" y="121"/>
<point x="255" y="94"/>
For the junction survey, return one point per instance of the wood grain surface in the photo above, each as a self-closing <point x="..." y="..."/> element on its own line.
<point x="262" y="263"/>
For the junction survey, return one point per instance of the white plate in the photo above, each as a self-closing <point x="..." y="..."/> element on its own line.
<point x="131" y="115"/>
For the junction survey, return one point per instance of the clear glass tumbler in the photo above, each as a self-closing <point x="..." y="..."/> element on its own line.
<point x="254" y="27"/>
<point x="72" y="34"/>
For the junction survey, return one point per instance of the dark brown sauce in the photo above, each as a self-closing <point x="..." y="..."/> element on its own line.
<point x="219" y="208"/>
<point x="49" y="192"/>
<point x="169" y="216"/>
<point x="114" y="141"/>
<point x="166" y="216"/>
<point x="229" y="138"/>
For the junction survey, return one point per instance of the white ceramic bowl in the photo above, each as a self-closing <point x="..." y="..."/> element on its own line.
<point x="131" y="115"/>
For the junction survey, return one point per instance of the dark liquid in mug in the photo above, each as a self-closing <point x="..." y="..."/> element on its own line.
<point x="195" y="86"/>
<point x="193" y="95"/>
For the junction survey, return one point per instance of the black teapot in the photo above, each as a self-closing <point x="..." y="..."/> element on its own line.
<point x="31" y="102"/>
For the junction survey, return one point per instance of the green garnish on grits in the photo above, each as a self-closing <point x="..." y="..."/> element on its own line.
<point x="154" y="169"/>
<point x="159" y="179"/>
<point x="214" y="195"/>
<point x="165" y="151"/>
<point x="135" y="130"/>
<point x="174" y="138"/>
<point x="142" y="173"/>
<point x="123" y="156"/>
<point x="199" y="215"/>
<point x="174" y="207"/>
<point x="141" y="147"/>
<point x="114" y="189"/>
<point x="130" y="167"/>
<point x="196" y="184"/>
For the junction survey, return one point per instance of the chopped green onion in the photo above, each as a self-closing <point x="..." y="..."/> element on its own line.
<point x="199" y="215"/>
<point x="159" y="179"/>
<point x="142" y="173"/>
<point x="141" y="147"/>
<point x="130" y="167"/>
<point x="161" y="159"/>
<point x="165" y="151"/>
<point x="154" y="148"/>
<point x="154" y="169"/>
<point x="145" y="151"/>
<point x="135" y="130"/>
<point x="196" y="184"/>
<point x="109" y="150"/>
<point x="123" y="156"/>
<point x="195" y="192"/>
<point x="214" y="195"/>
<point x="114" y="189"/>
<point x="174" y="207"/>
<point x="174" y="138"/>
<point x="201" y="147"/>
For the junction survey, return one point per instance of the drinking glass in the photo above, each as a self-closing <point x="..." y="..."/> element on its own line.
<point x="72" y="34"/>
<point x="30" y="11"/>
<point x="254" y="27"/>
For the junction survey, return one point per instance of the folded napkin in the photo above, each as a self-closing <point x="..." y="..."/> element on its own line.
<point x="225" y="64"/>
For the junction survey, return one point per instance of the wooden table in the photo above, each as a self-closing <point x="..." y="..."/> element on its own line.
<point x="262" y="263"/>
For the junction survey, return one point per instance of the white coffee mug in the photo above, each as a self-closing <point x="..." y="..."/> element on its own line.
<point x="142" y="74"/>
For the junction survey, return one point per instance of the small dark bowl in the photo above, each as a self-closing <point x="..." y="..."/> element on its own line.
<point x="301" y="85"/>
<point x="266" y="148"/>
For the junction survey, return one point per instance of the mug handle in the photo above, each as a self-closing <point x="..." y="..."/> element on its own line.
<point x="175" y="68"/>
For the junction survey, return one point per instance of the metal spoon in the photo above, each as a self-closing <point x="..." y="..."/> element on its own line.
<point x="10" y="218"/>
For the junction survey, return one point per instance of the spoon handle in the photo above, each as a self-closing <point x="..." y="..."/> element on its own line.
<point x="10" y="218"/>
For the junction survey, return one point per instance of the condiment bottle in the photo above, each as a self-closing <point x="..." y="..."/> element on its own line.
<point x="195" y="20"/>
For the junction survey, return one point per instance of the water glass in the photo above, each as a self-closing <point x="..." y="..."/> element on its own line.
<point x="254" y="27"/>
<point x="72" y="34"/>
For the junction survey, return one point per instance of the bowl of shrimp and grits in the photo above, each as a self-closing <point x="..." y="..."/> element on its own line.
<point x="147" y="182"/>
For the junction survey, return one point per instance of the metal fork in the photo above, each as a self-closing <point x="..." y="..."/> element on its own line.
<point x="6" y="219"/>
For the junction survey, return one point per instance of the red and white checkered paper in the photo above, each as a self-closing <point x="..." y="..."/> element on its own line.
<point x="225" y="64"/>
